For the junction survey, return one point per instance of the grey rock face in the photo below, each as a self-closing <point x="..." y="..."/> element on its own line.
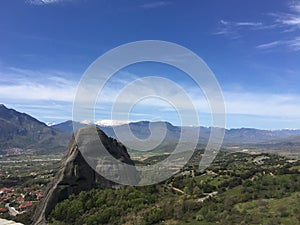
<point x="76" y="175"/>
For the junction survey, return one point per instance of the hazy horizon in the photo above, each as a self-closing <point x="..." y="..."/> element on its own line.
<point x="118" y="122"/>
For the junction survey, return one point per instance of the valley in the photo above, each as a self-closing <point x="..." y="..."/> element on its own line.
<point x="238" y="188"/>
<point x="247" y="183"/>
<point x="149" y="112"/>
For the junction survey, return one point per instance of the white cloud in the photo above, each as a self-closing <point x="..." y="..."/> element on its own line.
<point x="283" y="22"/>
<point x="155" y="4"/>
<point x="51" y="96"/>
<point x="224" y="22"/>
<point x="295" y="6"/>
<point x="233" y="29"/>
<point x="263" y="104"/>
<point x="292" y="44"/>
<point x="35" y="91"/>
<point x="241" y="24"/>
<point x="246" y="103"/>
<point x="248" y="24"/>
<point x="49" y="124"/>
<point x="290" y="20"/>
<point x="111" y="122"/>
<point x="45" y="2"/>
<point x="23" y="84"/>
<point x="269" y="45"/>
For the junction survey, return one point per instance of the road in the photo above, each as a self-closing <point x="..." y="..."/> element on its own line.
<point x="12" y="210"/>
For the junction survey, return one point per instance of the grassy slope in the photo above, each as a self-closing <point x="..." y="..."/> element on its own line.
<point x="247" y="194"/>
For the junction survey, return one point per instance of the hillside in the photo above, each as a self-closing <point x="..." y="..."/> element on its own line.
<point x="237" y="188"/>
<point x="20" y="132"/>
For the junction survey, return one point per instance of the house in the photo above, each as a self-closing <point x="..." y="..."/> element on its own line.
<point x="39" y="195"/>
<point x="3" y="210"/>
<point x="20" y="199"/>
<point x="25" y="206"/>
<point x="6" y="190"/>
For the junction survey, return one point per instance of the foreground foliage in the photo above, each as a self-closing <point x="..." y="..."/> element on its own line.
<point x="237" y="189"/>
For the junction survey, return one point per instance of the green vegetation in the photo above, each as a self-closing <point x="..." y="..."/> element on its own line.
<point x="237" y="188"/>
<point x="28" y="170"/>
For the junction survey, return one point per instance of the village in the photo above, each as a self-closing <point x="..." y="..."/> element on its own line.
<point x="14" y="201"/>
<point x="22" y="182"/>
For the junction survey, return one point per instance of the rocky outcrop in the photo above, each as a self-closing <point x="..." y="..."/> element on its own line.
<point x="77" y="172"/>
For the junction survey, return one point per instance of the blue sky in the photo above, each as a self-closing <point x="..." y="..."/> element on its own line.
<point x="253" y="48"/>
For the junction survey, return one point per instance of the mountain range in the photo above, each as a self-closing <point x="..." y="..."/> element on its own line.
<point x="22" y="131"/>
<point x="232" y="136"/>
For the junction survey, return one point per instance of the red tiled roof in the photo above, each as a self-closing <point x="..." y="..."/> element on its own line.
<point x="25" y="205"/>
<point x="3" y="210"/>
<point x="20" y="199"/>
<point x="6" y="189"/>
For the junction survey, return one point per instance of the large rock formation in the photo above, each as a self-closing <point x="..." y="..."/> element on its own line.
<point x="76" y="175"/>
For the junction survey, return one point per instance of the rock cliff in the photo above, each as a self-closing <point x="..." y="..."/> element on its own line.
<point x="76" y="175"/>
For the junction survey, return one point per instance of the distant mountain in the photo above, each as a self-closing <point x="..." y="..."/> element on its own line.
<point x="241" y="136"/>
<point x="142" y="129"/>
<point x="295" y="139"/>
<point x="23" y="132"/>
<point x="20" y="131"/>
<point x="291" y="142"/>
<point x="252" y="136"/>
<point x="67" y="126"/>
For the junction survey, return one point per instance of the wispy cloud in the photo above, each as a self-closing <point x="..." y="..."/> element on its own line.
<point x="45" y="94"/>
<point x="295" y="6"/>
<point x="24" y="84"/>
<point x="263" y="104"/>
<point x="269" y="45"/>
<point x="49" y="97"/>
<point x="287" y="23"/>
<point x="291" y="44"/>
<point x="233" y="29"/>
<point x="155" y="4"/>
<point x="242" y="103"/>
<point x="44" y="2"/>
<point x="282" y="22"/>
<point x="294" y="44"/>
<point x="291" y="18"/>
<point x="36" y="91"/>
